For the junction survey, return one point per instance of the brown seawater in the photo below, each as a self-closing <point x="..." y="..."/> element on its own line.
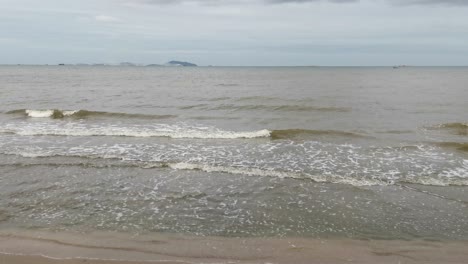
<point x="237" y="151"/>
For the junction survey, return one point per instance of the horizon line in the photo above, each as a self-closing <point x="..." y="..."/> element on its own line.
<point x="208" y="66"/>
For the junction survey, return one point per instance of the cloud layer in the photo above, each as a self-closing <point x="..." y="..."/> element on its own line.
<point x="221" y="2"/>
<point x="104" y="18"/>
<point x="430" y="2"/>
<point x="236" y="32"/>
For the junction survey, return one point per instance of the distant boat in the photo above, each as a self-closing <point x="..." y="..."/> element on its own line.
<point x="61" y="64"/>
<point x="396" y="67"/>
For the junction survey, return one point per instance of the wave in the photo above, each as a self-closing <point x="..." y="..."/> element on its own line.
<point x="460" y="129"/>
<point x="218" y="99"/>
<point x="271" y="99"/>
<point x="112" y="162"/>
<point x="307" y="133"/>
<point x="41" y="113"/>
<point x="186" y="166"/>
<point x="268" y="173"/>
<point x="172" y="131"/>
<point x="188" y="107"/>
<point x="395" y="132"/>
<point x="258" y="97"/>
<point x="160" y="130"/>
<point x="285" y="108"/>
<point x="454" y="125"/>
<point x="461" y="146"/>
<point x="81" y="114"/>
<point x="178" y="130"/>
<point x="214" y="117"/>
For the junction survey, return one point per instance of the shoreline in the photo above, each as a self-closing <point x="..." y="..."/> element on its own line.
<point x="20" y="247"/>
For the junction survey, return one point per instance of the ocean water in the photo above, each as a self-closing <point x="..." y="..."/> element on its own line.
<point x="236" y="152"/>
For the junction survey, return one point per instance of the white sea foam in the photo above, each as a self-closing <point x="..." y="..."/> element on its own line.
<point x="273" y="173"/>
<point x="39" y="113"/>
<point x="458" y="172"/>
<point x="311" y="160"/>
<point x="236" y="170"/>
<point x="160" y="130"/>
<point x="69" y="112"/>
<point x="49" y="113"/>
<point x="326" y="176"/>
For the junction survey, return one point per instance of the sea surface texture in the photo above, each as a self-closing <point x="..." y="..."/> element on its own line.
<point x="236" y="152"/>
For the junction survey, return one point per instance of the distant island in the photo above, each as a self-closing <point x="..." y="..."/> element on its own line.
<point x="131" y="64"/>
<point x="127" y="64"/>
<point x="180" y="63"/>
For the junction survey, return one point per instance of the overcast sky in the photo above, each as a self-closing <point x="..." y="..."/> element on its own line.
<point x="235" y="32"/>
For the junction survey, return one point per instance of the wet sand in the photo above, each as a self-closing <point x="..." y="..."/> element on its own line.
<point x="44" y="260"/>
<point x="19" y="247"/>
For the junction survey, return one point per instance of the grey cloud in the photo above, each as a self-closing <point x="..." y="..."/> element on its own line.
<point x="168" y="2"/>
<point x="398" y="2"/>
<point x="429" y="2"/>
<point x="221" y="2"/>
<point x="308" y="1"/>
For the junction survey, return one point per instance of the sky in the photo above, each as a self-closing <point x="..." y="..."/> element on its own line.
<point x="236" y="32"/>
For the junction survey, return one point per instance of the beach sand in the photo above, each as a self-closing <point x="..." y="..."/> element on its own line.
<point x="20" y="247"/>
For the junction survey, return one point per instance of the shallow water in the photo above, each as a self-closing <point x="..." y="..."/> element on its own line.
<point x="313" y="152"/>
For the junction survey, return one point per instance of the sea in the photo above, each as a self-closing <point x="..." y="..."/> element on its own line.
<point x="308" y="152"/>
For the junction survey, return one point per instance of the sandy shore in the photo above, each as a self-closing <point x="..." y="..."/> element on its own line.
<point x="4" y="259"/>
<point x="19" y="247"/>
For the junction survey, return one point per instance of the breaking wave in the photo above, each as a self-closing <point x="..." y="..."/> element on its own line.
<point x="451" y="179"/>
<point x="82" y="114"/>
<point x="316" y="161"/>
<point x="188" y="166"/>
<point x="159" y="130"/>
<point x="166" y="130"/>
<point x="268" y="173"/>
